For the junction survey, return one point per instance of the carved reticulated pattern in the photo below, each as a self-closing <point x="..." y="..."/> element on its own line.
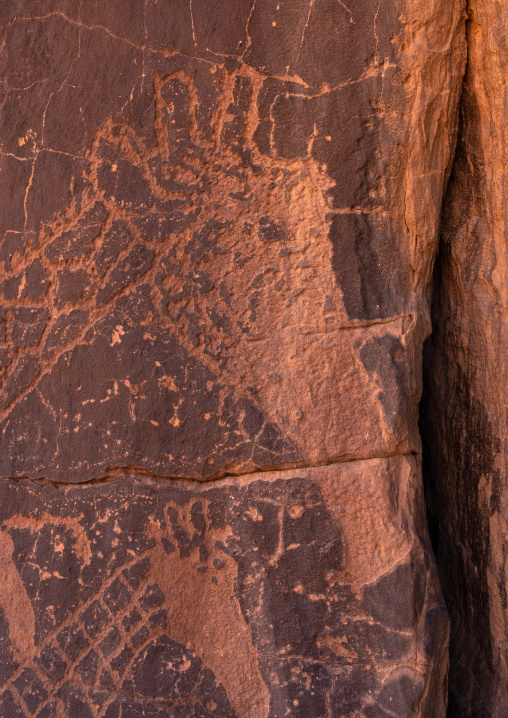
<point x="174" y="601"/>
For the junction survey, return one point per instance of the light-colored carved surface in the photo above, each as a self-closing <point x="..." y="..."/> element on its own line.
<point x="276" y="227"/>
<point x="217" y="229"/>
<point x="257" y="596"/>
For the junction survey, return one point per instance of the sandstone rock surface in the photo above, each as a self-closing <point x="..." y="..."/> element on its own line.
<point x="249" y="598"/>
<point x="218" y="225"/>
<point x="465" y="407"/>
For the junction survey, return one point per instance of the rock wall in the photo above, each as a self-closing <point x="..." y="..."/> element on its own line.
<point x="266" y="595"/>
<point x="465" y="399"/>
<point x="218" y="227"/>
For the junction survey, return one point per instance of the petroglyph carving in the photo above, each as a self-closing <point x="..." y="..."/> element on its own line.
<point x="167" y="598"/>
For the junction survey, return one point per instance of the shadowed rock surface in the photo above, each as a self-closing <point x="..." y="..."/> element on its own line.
<point x="464" y="416"/>
<point x="218" y="227"/>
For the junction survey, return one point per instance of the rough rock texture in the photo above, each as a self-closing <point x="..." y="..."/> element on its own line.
<point x="465" y="401"/>
<point x="218" y="223"/>
<point x="215" y="244"/>
<point x="249" y="598"/>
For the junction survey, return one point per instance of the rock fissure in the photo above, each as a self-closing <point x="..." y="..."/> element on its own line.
<point x="463" y="409"/>
<point x="115" y="473"/>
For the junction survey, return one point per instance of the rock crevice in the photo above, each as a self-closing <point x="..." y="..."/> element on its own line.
<point x="463" y="411"/>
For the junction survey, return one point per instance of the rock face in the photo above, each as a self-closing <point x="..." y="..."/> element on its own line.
<point x="465" y="399"/>
<point x="252" y="597"/>
<point x="218" y="226"/>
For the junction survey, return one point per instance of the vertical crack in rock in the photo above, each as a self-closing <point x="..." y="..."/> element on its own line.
<point x="463" y="411"/>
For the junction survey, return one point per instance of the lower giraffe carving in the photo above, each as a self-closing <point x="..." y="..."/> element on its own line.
<point x="250" y="597"/>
